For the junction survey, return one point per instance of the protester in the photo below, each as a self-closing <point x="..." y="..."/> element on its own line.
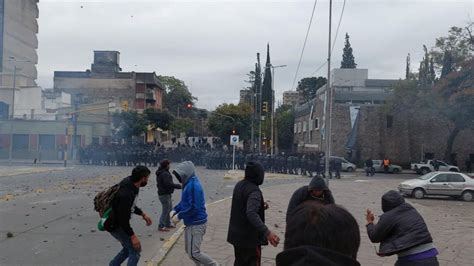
<point x="122" y="206"/>
<point x="318" y="234"/>
<point x="369" y="167"/>
<point x="386" y="165"/>
<point x="401" y="230"/>
<point x="317" y="190"/>
<point x="192" y="210"/>
<point x="166" y="187"/>
<point x="247" y="229"/>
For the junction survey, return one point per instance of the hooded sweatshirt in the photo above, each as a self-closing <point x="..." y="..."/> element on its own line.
<point x="247" y="227"/>
<point x="310" y="255"/>
<point x="164" y="182"/>
<point x="302" y="194"/>
<point x="122" y="206"/>
<point x="400" y="228"/>
<point x="191" y="209"/>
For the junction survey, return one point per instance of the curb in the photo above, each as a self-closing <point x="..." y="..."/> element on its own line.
<point x="38" y="171"/>
<point x="168" y="245"/>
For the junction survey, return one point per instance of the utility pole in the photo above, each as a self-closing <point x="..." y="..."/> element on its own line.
<point x="327" y="130"/>
<point x="10" y="153"/>
<point x="273" y="109"/>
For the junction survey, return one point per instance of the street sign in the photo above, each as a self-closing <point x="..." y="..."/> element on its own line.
<point x="234" y="140"/>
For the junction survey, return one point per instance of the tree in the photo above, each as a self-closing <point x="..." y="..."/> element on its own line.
<point x="158" y="119"/>
<point x="128" y="125"/>
<point x="228" y="117"/>
<point x="182" y="125"/>
<point x="177" y="96"/>
<point x="307" y="87"/>
<point x="451" y="51"/>
<point x="455" y="101"/>
<point x="285" y="120"/>
<point x="347" y="56"/>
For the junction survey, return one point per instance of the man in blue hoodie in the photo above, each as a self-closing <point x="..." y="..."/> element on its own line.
<point x="192" y="210"/>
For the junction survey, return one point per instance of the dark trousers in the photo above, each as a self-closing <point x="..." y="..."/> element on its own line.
<point x="424" y="262"/>
<point x="248" y="256"/>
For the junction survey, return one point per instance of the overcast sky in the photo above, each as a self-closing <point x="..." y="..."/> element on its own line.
<point x="211" y="45"/>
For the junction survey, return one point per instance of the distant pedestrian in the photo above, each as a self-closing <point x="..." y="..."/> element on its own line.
<point x="247" y="230"/>
<point x="338" y="168"/>
<point x="401" y="230"/>
<point x="317" y="190"/>
<point x="192" y="210"/>
<point x="386" y="165"/>
<point x="318" y="234"/>
<point x="122" y="206"/>
<point x="369" y="167"/>
<point x="166" y="187"/>
<point x="468" y="166"/>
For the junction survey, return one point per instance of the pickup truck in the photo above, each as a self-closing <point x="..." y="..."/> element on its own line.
<point x="425" y="167"/>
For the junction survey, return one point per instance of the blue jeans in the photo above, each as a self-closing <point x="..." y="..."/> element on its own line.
<point x="127" y="249"/>
<point x="166" y="203"/>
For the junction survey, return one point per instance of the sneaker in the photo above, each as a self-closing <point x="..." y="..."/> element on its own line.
<point x="163" y="229"/>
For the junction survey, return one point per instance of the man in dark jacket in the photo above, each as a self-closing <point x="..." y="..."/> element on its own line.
<point x="401" y="230"/>
<point x="247" y="229"/>
<point x="319" y="234"/>
<point x="166" y="187"/>
<point x="317" y="190"/>
<point x="122" y="206"/>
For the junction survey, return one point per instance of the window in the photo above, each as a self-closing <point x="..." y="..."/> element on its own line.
<point x="295" y="128"/>
<point x="440" y="178"/>
<point x="316" y="123"/>
<point x="305" y="126"/>
<point x="456" y="178"/>
<point x="47" y="142"/>
<point x="389" y="121"/>
<point x="21" y="141"/>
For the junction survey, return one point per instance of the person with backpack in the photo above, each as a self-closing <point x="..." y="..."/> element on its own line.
<point x="122" y="205"/>
<point x="166" y="187"/>
<point x="192" y="209"/>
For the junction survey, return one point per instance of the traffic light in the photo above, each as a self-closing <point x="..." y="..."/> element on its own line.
<point x="265" y="107"/>
<point x="189" y="106"/>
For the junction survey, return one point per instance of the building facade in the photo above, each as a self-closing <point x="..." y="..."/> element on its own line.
<point x="363" y="128"/>
<point x="290" y="98"/>
<point x="18" y="40"/>
<point x="105" y="82"/>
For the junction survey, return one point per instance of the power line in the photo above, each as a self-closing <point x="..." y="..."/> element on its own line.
<point x="335" y="38"/>
<point x="338" y="25"/>
<point x="304" y="43"/>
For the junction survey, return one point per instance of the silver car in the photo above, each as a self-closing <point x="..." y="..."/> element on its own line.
<point x="392" y="168"/>
<point x="457" y="185"/>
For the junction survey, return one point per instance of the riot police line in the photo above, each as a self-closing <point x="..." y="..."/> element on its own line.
<point x="205" y="155"/>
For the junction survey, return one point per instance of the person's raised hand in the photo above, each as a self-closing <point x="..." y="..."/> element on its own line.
<point x="370" y="217"/>
<point x="175" y="219"/>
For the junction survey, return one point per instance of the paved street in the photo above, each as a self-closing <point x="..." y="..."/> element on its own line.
<point x="449" y="221"/>
<point x="51" y="216"/>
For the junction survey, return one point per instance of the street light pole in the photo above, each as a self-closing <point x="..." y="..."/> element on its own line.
<point x="10" y="152"/>
<point x="328" y="99"/>
<point x="273" y="108"/>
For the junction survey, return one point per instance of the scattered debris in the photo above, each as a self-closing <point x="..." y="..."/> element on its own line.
<point x="9" y="235"/>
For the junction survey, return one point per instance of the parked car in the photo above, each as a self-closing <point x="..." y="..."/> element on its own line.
<point x="457" y="185"/>
<point x="346" y="165"/>
<point x="393" y="168"/>
<point x="428" y="166"/>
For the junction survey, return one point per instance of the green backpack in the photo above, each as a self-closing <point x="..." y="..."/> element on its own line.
<point x="103" y="204"/>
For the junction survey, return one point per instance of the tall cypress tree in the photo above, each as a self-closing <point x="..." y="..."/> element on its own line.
<point x="347" y="56"/>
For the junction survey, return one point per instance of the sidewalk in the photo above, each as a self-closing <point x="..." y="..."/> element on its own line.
<point x="356" y="195"/>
